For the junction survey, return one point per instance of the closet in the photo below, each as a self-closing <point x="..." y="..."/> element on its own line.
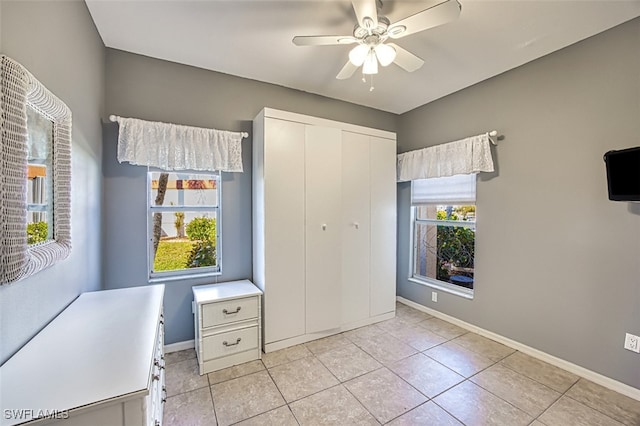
<point x="324" y="226"/>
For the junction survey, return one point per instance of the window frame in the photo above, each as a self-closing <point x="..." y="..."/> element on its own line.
<point x="188" y="273"/>
<point x="432" y="282"/>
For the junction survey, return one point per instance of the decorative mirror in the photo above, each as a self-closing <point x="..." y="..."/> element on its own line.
<point x="35" y="174"/>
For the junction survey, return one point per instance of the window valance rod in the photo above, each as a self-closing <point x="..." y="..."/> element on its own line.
<point x="494" y="138"/>
<point x="114" y="118"/>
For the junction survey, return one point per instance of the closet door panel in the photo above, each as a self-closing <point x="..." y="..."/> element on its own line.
<point x="383" y="225"/>
<point x="284" y="297"/>
<point x="355" y="227"/>
<point x="323" y="175"/>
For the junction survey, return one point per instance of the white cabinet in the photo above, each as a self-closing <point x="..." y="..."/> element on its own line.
<point x="227" y="324"/>
<point x="323" y="196"/>
<point x="323" y="188"/>
<point x="100" y="362"/>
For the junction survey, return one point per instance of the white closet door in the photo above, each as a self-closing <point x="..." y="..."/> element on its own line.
<point x="383" y="225"/>
<point x="323" y="175"/>
<point x="284" y="297"/>
<point x="355" y="227"/>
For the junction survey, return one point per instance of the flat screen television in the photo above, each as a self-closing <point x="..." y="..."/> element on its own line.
<point x="623" y="174"/>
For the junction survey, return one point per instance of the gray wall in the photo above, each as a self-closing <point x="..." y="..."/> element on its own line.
<point x="151" y="89"/>
<point x="58" y="43"/>
<point x="558" y="265"/>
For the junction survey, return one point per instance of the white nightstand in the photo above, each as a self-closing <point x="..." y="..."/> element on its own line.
<point x="228" y="324"/>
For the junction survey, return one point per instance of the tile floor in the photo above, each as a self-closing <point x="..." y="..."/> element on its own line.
<point x="411" y="370"/>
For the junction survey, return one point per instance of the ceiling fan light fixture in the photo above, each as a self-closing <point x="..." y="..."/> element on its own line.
<point x="370" y="63"/>
<point x="358" y="54"/>
<point x="386" y="54"/>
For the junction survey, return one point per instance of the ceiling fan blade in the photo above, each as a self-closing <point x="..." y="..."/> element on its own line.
<point x="322" y="40"/>
<point x="436" y="15"/>
<point x="364" y="9"/>
<point x="346" y="71"/>
<point x="405" y="59"/>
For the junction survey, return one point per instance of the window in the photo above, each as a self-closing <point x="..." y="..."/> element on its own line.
<point x="183" y="224"/>
<point x="443" y="232"/>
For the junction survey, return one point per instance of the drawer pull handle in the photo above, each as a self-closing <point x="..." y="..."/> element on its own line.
<point x="227" y="344"/>
<point x="156" y="377"/>
<point x="157" y="364"/>
<point x="224" y="311"/>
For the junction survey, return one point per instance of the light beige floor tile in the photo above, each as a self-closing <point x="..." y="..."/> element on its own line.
<point x="411" y="315"/>
<point x="235" y="371"/>
<point x="302" y="378"/>
<point x="384" y="394"/>
<point x="537" y="423"/>
<point x="526" y="394"/>
<point x="347" y="362"/>
<point x="540" y="371"/>
<point x="183" y="377"/>
<point x="567" y="411"/>
<point x="615" y="405"/>
<point x="365" y="332"/>
<point x="423" y="373"/>
<point x="459" y="359"/>
<point x="245" y="397"/>
<point x="173" y="357"/>
<point x="283" y="356"/>
<point x="486" y="347"/>
<point x="475" y="406"/>
<point x="384" y="348"/>
<point x="391" y="325"/>
<point x="190" y="408"/>
<point x="279" y="417"/>
<point x="443" y="328"/>
<point x="326" y="344"/>
<point x="418" y="337"/>
<point x="334" y="406"/>
<point x="426" y="414"/>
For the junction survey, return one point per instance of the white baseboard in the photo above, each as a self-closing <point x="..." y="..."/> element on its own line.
<point x="605" y="381"/>
<point x="179" y="346"/>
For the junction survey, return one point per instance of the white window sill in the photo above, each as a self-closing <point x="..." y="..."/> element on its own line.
<point x="445" y="287"/>
<point x="182" y="277"/>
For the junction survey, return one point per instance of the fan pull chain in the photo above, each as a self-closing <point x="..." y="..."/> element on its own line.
<point x="364" y="80"/>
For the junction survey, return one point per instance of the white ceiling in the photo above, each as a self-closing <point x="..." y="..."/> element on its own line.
<point x="252" y="39"/>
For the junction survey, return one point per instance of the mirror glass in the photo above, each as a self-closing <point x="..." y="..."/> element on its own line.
<point x="39" y="177"/>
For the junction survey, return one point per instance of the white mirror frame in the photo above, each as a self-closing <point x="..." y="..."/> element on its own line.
<point x="18" y="88"/>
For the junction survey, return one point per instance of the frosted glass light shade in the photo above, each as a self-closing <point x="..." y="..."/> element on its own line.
<point x="358" y="54"/>
<point x="385" y="53"/>
<point x="370" y="64"/>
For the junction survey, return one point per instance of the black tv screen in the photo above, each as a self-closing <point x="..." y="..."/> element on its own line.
<point x="623" y="174"/>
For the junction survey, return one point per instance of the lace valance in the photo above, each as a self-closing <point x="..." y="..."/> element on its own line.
<point x="466" y="156"/>
<point x="176" y="147"/>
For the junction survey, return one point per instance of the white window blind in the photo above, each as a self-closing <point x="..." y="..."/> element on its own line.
<point x="456" y="189"/>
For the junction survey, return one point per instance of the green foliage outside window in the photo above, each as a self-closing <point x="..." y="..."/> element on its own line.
<point x="202" y="231"/>
<point x="37" y="232"/>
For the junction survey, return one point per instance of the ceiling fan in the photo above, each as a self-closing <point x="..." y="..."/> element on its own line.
<point x="372" y="32"/>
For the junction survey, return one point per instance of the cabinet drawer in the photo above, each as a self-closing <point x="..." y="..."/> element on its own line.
<point x="225" y="344"/>
<point x="214" y="314"/>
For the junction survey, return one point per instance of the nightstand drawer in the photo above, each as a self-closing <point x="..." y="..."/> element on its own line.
<point x="229" y="343"/>
<point x="219" y="313"/>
